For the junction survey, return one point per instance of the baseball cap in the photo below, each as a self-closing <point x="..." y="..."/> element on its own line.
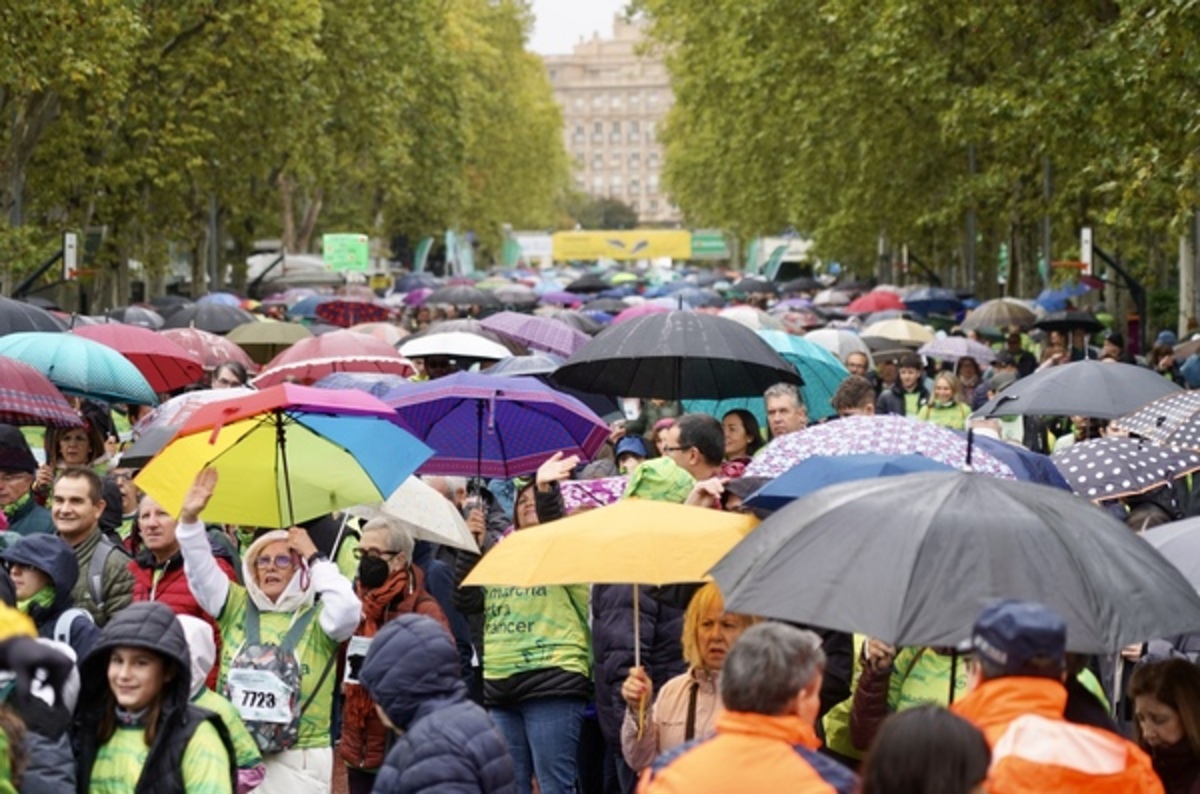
<point x="1009" y="633"/>
<point x="631" y="445"/>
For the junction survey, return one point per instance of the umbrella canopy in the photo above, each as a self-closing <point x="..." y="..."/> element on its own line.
<point x="674" y="356"/>
<point x="516" y="295"/>
<point x="154" y="430"/>
<point x="17" y="316"/>
<point x="217" y="318"/>
<point x="165" y="365"/>
<point x="80" y="366"/>
<point x="1102" y="469"/>
<point x="311" y="359"/>
<point x="489" y="426"/>
<point x="641" y="310"/>
<point x="900" y="330"/>
<point x="874" y="302"/>
<point x="1068" y="321"/>
<point x="462" y="295"/>
<point x="385" y="332"/>
<point x="212" y="350"/>
<point x="306" y="307"/>
<point x="411" y="281"/>
<point x="820" y="471"/>
<point x="592" y="282"/>
<point x="286" y="454"/>
<point x="167" y="304"/>
<point x="1025" y="464"/>
<point x="635" y="541"/>
<point x="841" y="343"/>
<point x="832" y="297"/>
<point x="933" y="300"/>
<point x="752" y="318"/>
<point x="263" y="340"/>
<point x="454" y="344"/>
<point x="580" y="322"/>
<point x="561" y="298"/>
<point x="802" y="284"/>
<point x="1104" y="390"/>
<point x="27" y="397"/>
<point x="344" y="312"/>
<point x="1000" y="313"/>
<point x="220" y="299"/>
<point x="952" y="348"/>
<point x="141" y="316"/>
<point x="377" y="384"/>
<point x="820" y="369"/>
<point x="1179" y="542"/>
<point x="750" y="286"/>
<point x="932" y="549"/>
<point x="1173" y="419"/>
<point x="428" y="514"/>
<point x="882" y="434"/>
<point x="606" y="305"/>
<point x="542" y="366"/>
<point x="539" y="333"/>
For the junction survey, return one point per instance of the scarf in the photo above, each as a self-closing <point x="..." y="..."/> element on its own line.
<point x="10" y="511"/>
<point x="130" y="719"/>
<point x="375" y="603"/>
<point x="42" y="598"/>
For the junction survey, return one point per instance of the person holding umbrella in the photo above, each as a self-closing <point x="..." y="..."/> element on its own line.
<point x="18" y="468"/>
<point x="1017" y="699"/>
<point x="283" y="574"/>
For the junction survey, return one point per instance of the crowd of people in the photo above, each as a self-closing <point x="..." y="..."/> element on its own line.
<point x="152" y="652"/>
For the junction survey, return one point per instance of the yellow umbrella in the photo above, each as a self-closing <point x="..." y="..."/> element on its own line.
<point x="634" y="541"/>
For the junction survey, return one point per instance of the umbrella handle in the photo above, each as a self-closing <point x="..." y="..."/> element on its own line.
<point x="637" y="658"/>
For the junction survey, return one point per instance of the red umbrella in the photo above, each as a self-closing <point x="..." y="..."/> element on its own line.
<point x="348" y="312"/>
<point x="209" y="348"/>
<point x="166" y="365"/>
<point x="875" y="302"/>
<point x="309" y="360"/>
<point x="27" y="397"/>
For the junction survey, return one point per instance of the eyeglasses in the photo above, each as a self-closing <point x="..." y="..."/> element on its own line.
<point x="677" y="449"/>
<point x="280" y="561"/>
<point x="374" y="554"/>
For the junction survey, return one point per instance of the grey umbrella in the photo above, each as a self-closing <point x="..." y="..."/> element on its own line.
<point x="912" y="560"/>
<point x="1179" y="542"/>
<point x="1101" y="389"/>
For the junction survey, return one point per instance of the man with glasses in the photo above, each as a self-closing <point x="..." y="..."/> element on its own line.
<point x="696" y="442"/>
<point x="17" y="470"/>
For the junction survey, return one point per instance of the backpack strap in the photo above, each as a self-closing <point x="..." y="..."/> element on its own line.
<point x="95" y="572"/>
<point x="62" y="626"/>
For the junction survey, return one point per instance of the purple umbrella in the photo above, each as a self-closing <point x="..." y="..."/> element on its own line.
<point x="883" y="435"/>
<point x="488" y="426"/>
<point x="418" y="296"/>
<point x="561" y="299"/>
<point x="952" y="348"/>
<point x="539" y="333"/>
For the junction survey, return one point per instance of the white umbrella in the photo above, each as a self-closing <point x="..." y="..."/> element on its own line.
<point x="428" y="515"/>
<point x="460" y="344"/>
<point x="841" y="343"/>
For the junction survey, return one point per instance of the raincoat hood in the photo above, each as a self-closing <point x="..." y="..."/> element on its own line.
<point x="296" y="595"/>
<point x="412" y="669"/>
<point x="51" y="555"/>
<point x="145" y="624"/>
<point x="201" y="647"/>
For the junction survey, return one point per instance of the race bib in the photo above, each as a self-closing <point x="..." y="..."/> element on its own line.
<point x="260" y="696"/>
<point x="356" y="654"/>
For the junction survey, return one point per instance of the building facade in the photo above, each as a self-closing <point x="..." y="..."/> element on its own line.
<point x="613" y="102"/>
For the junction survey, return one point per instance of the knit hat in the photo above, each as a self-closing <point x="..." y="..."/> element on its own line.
<point x="14" y="451"/>
<point x="660" y="479"/>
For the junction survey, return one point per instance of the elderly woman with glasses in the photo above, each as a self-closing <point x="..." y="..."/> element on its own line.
<point x="389" y="585"/>
<point x="287" y="582"/>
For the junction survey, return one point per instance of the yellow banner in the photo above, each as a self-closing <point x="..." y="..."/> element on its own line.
<point x="637" y="244"/>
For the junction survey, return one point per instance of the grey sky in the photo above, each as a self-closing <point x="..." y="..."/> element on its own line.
<point x="560" y="23"/>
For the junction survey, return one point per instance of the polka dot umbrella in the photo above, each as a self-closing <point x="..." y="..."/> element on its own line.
<point x="1109" y="468"/>
<point x="1173" y="419"/>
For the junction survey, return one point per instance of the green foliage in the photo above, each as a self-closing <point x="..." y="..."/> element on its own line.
<point x="585" y="211"/>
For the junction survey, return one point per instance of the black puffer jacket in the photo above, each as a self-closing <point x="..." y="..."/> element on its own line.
<point x="449" y="743"/>
<point x="153" y="626"/>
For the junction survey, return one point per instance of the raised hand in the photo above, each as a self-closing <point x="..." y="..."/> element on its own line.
<point x="196" y="498"/>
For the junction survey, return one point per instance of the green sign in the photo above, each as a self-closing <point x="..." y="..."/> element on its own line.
<point x="709" y="244"/>
<point x="346" y="251"/>
<point x="1002" y="264"/>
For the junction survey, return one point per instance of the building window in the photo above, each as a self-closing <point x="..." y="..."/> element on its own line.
<point x="652" y="160"/>
<point x="616" y="159"/>
<point x="652" y="100"/>
<point x="579" y="102"/>
<point x="635" y="187"/>
<point x="598" y="101"/>
<point x="597" y="184"/>
<point x="652" y="186"/>
<point x="597" y="161"/>
<point x="650" y="132"/>
<point x="654" y="205"/>
<point x="634" y="132"/>
<point x="579" y="159"/>
<point x="633" y="205"/>
<point x="635" y="160"/>
<point x="616" y="127"/>
<point x="636" y="99"/>
<point x="616" y="101"/>
<point x="616" y="183"/>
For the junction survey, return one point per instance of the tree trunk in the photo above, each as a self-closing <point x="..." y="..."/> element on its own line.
<point x="311" y="213"/>
<point x="288" y="233"/>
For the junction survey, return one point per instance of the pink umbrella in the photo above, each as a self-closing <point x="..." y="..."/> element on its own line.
<point x="634" y="312"/>
<point x="27" y="397"/>
<point x="210" y="348"/>
<point x="309" y="360"/>
<point x="386" y="332"/>
<point x="417" y="297"/>
<point x="166" y="365"/>
<point x="875" y="302"/>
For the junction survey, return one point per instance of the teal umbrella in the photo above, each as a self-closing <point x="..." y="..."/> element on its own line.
<point x="80" y="366"/>
<point x="820" y="369"/>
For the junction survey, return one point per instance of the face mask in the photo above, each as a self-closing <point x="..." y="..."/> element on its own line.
<point x="372" y="572"/>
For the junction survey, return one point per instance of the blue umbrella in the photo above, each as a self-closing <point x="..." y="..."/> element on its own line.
<point x="933" y="300"/>
<point x="80" y="366"/>
<point x="1026" y="465"/>
<point x="375" y="384"/>
<point x="821" y="370"/>
<point x="1054" y="300"/>
<point x="306" y="307"/>
<point x="819" y="471"/>
<point x="411" y="281"/>
<point x="493" y="426"/>
<point x="221" y="298"/>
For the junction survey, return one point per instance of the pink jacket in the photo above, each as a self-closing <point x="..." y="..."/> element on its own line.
<point x="666" y="719"/>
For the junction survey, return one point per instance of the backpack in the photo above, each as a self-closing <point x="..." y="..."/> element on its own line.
<point x="62" y="626"/>
<point x="263" y="683"/>
<point x="95" y="572"/>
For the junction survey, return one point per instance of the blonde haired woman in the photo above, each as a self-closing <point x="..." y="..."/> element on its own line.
<point x="688" y="704"/>
<point x="946" y="407"/>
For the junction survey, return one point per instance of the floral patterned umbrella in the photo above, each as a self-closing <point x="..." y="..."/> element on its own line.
<point x="882" y="435"/>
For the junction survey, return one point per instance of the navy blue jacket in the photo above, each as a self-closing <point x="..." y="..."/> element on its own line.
<point x="51" y="555"/>
<point x="449" y="743"/>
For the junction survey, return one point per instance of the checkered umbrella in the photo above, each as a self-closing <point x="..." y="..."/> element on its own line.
<point x="1109" y="468"/>
<point x="27" y="397"/>
<point x="539" y="333"/>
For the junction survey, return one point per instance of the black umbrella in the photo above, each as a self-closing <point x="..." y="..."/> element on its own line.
<point x="43" y="303"/>
<point x="216" y="318"/>
<point x="912" y="560"/>
<point x="137" y="315"/>
<point x="462" y="295"/>
<point x="1104" y="390"/>
<point x="516" y="295"/>
<point x="166" y="304"/>
<point x="580" y="322"/>
<point x="1103" y="469"/>
<point x="1069" y="320"/>
<point x="542" y="367"/>
<point x="17" y="316"/>
<point x="802" y="284"/>
<point x="677" y="355"/>
<point x="606" y="305"/>
<point x="751" y="285"/>
<point x="592" y="282"/>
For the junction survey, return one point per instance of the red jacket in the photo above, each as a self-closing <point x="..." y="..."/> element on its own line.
<point x="1034" y="749"/>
